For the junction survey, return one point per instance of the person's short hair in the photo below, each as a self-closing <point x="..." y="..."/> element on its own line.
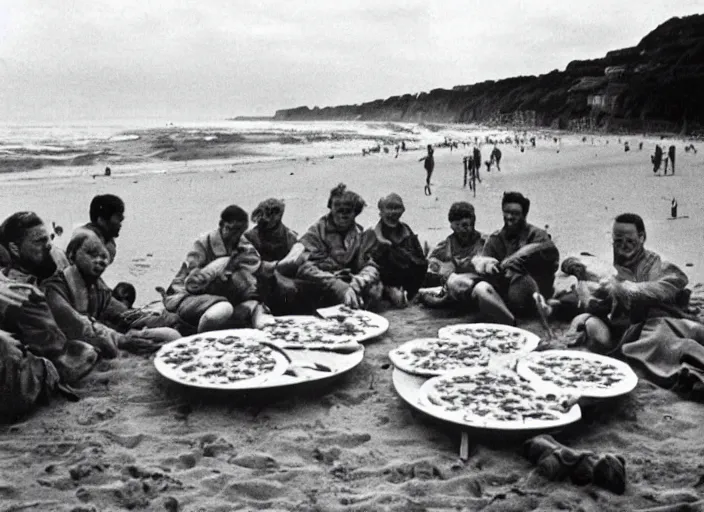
<point x="105" y="206"/>
<point x="77" y="241"/>
<point x="233" y="213"/>
<point x="271" y="203"/>
<point x="16" y="226"/>
<point x="516" y="197"/>
<point x="632" y="218"/>
<point x="392" y="198"/>
<point x="340" y="192"/>
<point x="125" y="292"/>
<point x="461" y="210"/>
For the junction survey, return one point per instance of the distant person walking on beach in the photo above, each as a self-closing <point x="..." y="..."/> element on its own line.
<point x="656" y="159"/>
<point x="468" y="162"/>
<point x="429" y="168"/>
<point x="671" y="155"/>
<point x="496" y="157"/>
<point x="477" y="161"/>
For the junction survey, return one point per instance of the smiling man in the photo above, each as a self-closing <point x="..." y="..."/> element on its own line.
<point x="336" y="261"/>
<point x="396" y="250"/>
<point x="518" y="263"/>
<point x="642" y="311"/>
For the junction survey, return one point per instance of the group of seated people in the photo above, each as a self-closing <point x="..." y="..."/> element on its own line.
<point x="58" y="316"/>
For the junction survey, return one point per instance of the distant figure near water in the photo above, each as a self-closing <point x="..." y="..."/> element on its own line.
<point x="429" y="168"/>
<point x="656" y="158"/>
<point x="495" y="158"/>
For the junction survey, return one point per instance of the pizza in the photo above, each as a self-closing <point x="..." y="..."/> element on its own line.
<point x="435" y="356"/>
<point x="368" y="324"/>
<point x="220" y="359"/>
<point x="495" y="339"/>
<point x="583" y="373"/>
<point x="496" y="398"/>
<point x="313" y="333"/>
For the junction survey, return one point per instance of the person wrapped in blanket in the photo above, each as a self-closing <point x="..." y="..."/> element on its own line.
<point x="25" y="314"/>
<point x="216" y="286"/>
<point x="517" y="265"/>
<point x="397" y="252"/>
<point x="337" y="262"/>
<point x="641" y="312"/>
<point x="450" y="263"/>
<point x="84" y="307"/>
<point x="281" y="256"/>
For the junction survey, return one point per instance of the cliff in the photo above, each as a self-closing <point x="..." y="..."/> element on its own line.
<point x="654" y="86"/>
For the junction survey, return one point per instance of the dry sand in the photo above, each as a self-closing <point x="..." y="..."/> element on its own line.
<point x="137" y="441"/>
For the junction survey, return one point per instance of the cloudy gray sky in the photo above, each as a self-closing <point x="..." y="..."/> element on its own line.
<point x="210" y="59"/>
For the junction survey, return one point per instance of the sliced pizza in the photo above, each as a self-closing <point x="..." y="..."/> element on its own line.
<point x="368" y="324"/>
<point x="434" y="356"/>
<point x="582" y="373"/>
<point x="496" y="339"/>
<point x="498" y="399"/>
<point x="230" y="359"/>
<point x="313" y="333"/>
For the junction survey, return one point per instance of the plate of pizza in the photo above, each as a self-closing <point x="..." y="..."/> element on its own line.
<point x="429" y="357"/>
<point x="583" y="373"/>
<point x="495" y="340"/>
<point x="368" y="325"/>
<point x="497" y="399"/>
<point x="312" y="333"/>
<point x="228" y="360"/>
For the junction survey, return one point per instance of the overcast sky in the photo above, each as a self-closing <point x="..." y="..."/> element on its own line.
<point x="211" y="59"/>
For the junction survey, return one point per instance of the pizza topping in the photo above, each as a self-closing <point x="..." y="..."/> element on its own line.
<point x="218" y="360"/>
<point x="496" y="396"/>
<point x="572" y="371"/>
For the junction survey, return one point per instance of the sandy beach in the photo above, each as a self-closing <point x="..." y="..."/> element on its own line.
<point x="135" y="441"/>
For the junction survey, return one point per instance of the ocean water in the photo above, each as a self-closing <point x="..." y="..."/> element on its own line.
<point x="154" y="146"/>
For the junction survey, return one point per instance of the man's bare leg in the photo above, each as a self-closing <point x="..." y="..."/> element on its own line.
<point x="216" y="317"/>
<point x="491" y="305"/>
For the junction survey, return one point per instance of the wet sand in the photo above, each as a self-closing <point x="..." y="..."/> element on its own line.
<point x="135" y="441"/>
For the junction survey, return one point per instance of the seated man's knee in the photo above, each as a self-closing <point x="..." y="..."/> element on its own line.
<point x="459" y="286"/>
<point x="483" y="290"/>
<point x="598" y="335"/>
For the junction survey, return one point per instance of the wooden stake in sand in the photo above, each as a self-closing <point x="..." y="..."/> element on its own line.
<point x="464" y="445"/>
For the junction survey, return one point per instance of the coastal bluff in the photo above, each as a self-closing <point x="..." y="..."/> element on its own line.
<point x="653" y="86"/>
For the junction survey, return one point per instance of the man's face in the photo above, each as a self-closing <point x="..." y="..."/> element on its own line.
<point x="463" y="228"/>
<point x="113" y="224"/>
<point x="626" y="240"/>
<point x="34" y="251"/>
<point x="391" y="214"/>
<point x="92" y="258"/>
<point x="232" y="231"/>
<point x="270" y="218"/>
<point x="513" y="216"/>
<point x="342" y="213"/>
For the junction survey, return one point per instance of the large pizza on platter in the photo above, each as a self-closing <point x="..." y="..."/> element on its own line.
<point x="313" y="333"/>
<point x="230" y="359"/>
<point x="434" y="356"/>
<point x="369" y="325"/>
<point x="496" y="399"/>
<point x="495" y="339"/>
<point x="582" y="373"/>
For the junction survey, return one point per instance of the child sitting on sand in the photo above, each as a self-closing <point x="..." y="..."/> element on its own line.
<point x="83" y="306"/>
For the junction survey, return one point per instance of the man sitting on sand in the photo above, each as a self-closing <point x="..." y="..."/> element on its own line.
<point x="337" y="263"/>
<point x="281" y="256"/>
<point x="518" y="262"/>
<point x="642" y="310"/>
<point x="84" y="308"/>
<point x="30" y="320"/>
<point x="107" y="212"/>
<point x="450" y="263"/>
<point x="397" y="252"/>
<point x="223" y="294"/>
